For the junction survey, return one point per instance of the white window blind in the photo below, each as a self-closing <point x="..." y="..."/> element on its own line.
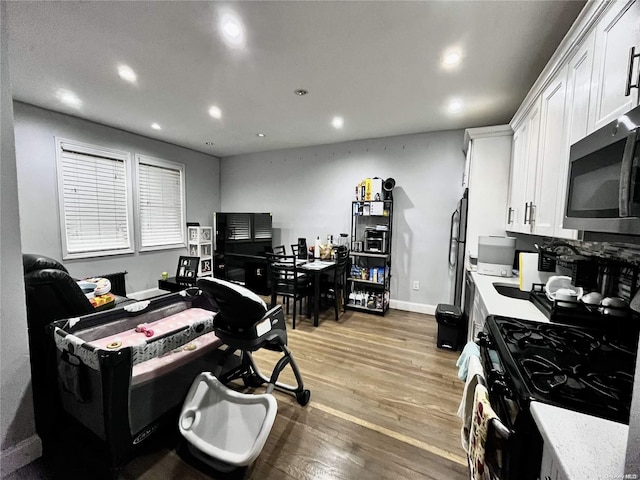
<point x="161" y="205"/>
<point x="93" y="186"/>
<point x="239" y="226"/>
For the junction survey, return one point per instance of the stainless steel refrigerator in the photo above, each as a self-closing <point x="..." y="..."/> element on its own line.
<point x="457" y="241"/>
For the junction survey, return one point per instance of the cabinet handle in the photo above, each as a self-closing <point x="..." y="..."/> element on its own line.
<point x="532" y="213"/>
<point x="509" y="221"/>
<point x="526" y="209"/>
<point x="632" y="56"/>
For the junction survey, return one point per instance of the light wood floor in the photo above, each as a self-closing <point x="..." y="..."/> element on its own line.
<point x="383" y="406"/>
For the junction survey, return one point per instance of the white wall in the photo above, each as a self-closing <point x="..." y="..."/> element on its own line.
<point x="309" y="191"/>
<point x="35" y="129"/>
<point x="18" y="442"/>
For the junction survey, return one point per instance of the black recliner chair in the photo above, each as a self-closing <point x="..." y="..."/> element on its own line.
<point x="51" y="294"/>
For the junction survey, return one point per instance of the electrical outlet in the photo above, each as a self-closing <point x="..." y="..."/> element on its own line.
<point x="416" y="285"/>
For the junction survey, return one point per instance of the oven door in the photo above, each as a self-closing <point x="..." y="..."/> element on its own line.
<point x="603" y="192"/>
<point x="522" y="452"/>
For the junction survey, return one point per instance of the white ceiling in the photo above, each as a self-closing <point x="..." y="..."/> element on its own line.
<point x="376" y="64"/>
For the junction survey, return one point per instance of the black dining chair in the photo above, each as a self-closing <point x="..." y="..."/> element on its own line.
<point x="334" y="287"/>
<point x="289" y="282"/>
<point x="279" y="250"/>
<point x="295" y="249"/>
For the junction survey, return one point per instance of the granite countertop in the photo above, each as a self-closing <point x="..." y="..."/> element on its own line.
<point x="586" y="447"/>
<point x="499" y="304"/>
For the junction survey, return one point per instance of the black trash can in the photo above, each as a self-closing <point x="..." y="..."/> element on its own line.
<point x="450" y="325"/>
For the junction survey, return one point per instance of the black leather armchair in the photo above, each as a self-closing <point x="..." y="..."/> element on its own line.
<point x="51" y="294"/>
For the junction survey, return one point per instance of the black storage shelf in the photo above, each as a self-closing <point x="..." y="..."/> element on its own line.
<point x="371" y="249"/>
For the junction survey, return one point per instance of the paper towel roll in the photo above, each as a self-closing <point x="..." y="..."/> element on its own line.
<point x="529" y="273"/>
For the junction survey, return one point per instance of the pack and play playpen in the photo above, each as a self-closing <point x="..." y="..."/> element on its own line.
<point x="123" y="372"/>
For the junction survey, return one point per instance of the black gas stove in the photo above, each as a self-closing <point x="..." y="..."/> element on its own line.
<point x="589" y="370"/>
<point x="585" y="369"/>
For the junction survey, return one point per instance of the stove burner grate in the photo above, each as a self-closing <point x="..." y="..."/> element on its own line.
<point x="564" y="340"/>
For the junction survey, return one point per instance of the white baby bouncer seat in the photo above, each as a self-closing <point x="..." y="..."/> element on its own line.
<point x="224" y="428"/>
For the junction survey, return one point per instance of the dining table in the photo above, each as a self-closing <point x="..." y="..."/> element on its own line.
<point x="317" y="268"/>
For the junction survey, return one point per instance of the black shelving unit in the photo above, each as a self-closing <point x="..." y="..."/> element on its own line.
<point x="370" y="271"/>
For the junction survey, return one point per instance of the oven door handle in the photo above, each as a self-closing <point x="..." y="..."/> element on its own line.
<point x="626" y="170"/>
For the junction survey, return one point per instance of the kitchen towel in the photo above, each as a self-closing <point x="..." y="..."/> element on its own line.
<point x="465" y="410"/>
<point x="483" y="414"/>
<point x="469" y="350"/>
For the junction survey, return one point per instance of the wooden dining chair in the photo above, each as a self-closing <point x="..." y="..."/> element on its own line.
<point x="289" y="282"/>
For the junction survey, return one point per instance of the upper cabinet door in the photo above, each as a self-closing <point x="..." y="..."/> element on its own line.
<point x="616" y="33"/>
<point x="517" y="191"/>
<point x="579" y="124"/>
<point x="551" y="156"/>
<point x="577" y="121"/>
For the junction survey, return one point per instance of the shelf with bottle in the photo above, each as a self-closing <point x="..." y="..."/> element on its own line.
<point x="370" y="301"/>
<point x="376" y="275"/>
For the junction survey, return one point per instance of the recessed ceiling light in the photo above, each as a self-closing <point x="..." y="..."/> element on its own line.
<point x="301" y="92"/>
<point x="215" y="112"/>
<point x="455" y="105"/>
<point x="232" y="29"/>
<point x="337" y="122"/>
<point x="156" y="126"/>
<point x="261" y="135"/>
<point x="68" y="98"/>
<point x="451" y="58"/>
<point x="126" y="73"/>
<point x="208" y="143"/>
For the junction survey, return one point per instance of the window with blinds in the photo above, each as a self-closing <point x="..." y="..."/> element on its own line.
<point x="94" y="188"/>
<point x="161" y="203"/>
<point x="239" y="226"/>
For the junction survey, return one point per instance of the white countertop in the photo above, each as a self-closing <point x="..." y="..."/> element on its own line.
<point x="586" y="447"/>
<point x="499" y="304"/>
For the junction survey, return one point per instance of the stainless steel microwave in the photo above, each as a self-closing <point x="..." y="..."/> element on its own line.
<point x="603" y="193"/>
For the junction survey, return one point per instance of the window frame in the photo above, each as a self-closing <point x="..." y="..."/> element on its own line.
<point x="160" y="163"/>
<point x="62" y="144"/>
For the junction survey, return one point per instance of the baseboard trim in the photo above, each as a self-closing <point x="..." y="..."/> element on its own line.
<point x="145" y="294"/>
<point x="17" y="456"/>
<point x="412" y="307"/>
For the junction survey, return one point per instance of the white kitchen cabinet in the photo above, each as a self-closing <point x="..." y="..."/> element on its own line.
<point x="577" y="121"/>
<point x="518" y="178"/>
<point x="488" y="157"/>
<point x="615" y="34"/>
<point x="551" y="156"/>
<point x="523" y="172"/>
<point x="477" y="318"/>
